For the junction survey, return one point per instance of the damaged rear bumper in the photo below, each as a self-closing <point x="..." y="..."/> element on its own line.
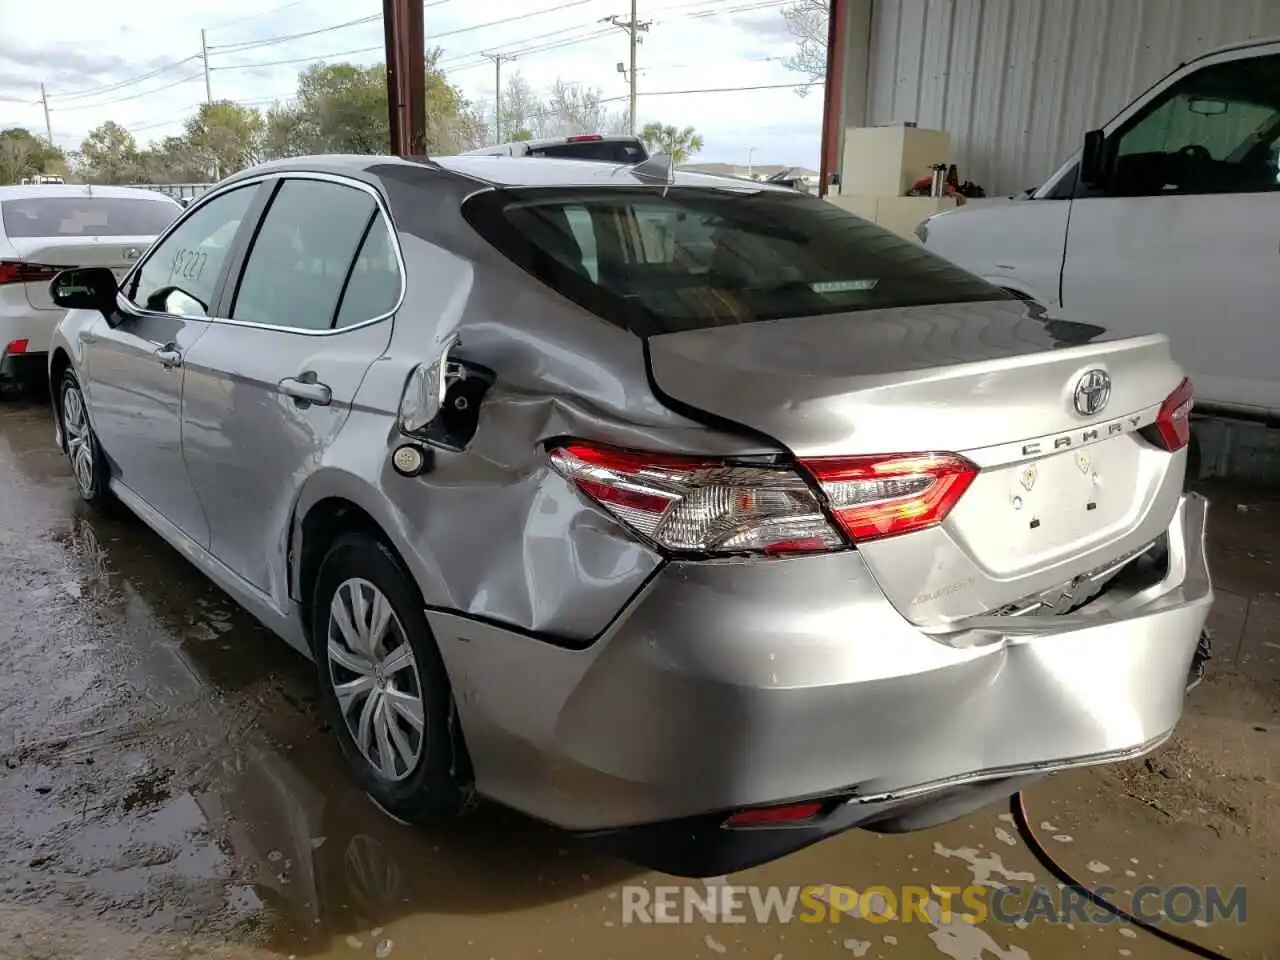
<point x="732" y="685"/>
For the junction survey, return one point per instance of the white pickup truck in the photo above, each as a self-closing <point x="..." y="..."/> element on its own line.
<point x="1167" y="220"/>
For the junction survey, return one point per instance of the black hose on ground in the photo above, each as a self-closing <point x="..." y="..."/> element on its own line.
<point x="1018" y="808"/>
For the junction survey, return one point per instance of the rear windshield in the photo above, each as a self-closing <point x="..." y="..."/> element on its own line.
<point x="86" y="216"/>
<point x="658" y="261"/>
<point x="610" y="151"/>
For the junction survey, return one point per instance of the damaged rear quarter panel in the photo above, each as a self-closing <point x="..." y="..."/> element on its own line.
<point x="492" y="532"/>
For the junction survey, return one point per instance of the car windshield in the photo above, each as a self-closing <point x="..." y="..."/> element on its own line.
<point x="87" y="216"/>
<point x="664" y="260"/>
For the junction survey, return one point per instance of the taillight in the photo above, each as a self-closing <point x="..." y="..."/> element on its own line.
<point x="1172" y="429"/>
<point x="697" y="505"/>
<point x="883" y="496"/>
<point x="19" y="271"/>
<point x="706" y="506"/>
<point x="17" y="346"/>
<point x="584" y="138"/>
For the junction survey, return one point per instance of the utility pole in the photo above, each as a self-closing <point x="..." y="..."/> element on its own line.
<point x="403" y="25"/>
<point x="208" y="93"/>
<point x="497" y="59"/>
<point x="48" y="127"/>
<point x="634" y="28"/>
<point x="204" y="55"/>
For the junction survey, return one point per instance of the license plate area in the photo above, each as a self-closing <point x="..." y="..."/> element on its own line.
<point x="1026" y="515"/>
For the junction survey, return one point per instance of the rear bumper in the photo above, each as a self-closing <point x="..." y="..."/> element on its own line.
<point x="31" y="365"/>
<point x="23" y="367"/>
<point x="731" y="685"/>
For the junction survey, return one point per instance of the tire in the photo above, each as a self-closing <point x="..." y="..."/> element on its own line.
<point x="421" y="777"/>
<point x="88" y="465"/>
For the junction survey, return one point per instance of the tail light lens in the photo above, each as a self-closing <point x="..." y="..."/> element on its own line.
<point x="17" y="346"/>
<point x="19" y="271"/>
<point x="875" y="497"/>
<point x="584" y="138"/>
<point x="705" y="506"/>
<point x="1172" y="429"/>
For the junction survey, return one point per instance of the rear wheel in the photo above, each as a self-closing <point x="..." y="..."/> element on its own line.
<point x="88" y="465"/>
<point x="383" y="684"/>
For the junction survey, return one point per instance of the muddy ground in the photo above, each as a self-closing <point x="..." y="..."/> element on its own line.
<point x="167" y="789"/>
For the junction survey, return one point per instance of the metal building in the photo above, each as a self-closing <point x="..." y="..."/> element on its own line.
<point x="1016" y="83"/>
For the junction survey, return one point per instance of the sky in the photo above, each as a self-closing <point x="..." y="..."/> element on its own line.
<point x="138" y="63"/>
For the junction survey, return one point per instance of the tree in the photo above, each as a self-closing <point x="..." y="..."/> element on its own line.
<point x="808" y="21"/>
<point x="109" y="154"/>
<point x="342" y="108"/>
<point x="224" y="137"/>
<point x="681" y="144"/>
<point x="171" y="161"/>
<point x="23" y="154"/>
<point x="573" y="108"/>
<point x="523" y="114"/>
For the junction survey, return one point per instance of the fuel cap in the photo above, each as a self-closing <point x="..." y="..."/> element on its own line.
<point x="409" y="460"/>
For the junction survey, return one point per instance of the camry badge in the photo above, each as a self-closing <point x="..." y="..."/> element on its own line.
<point x="1093" y="390"/>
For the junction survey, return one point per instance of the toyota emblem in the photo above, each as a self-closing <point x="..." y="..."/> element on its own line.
<point x="1093" y="390"/>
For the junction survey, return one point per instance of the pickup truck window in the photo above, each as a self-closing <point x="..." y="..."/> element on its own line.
<point x="1214" y="131"/>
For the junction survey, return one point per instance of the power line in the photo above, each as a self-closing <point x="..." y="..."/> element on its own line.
<point x="272" y="41"/>
<point x="456" y="63"/>
<point x="310" y="59"/>
<point x="351" y="53"/>
<point x="681" y="93"/>
<point x="136" y="96"/>
<point x="255" y="16"/>
<point x="121" y="84"/>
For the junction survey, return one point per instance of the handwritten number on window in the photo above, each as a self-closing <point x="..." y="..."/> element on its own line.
<point x="188" y="264"/>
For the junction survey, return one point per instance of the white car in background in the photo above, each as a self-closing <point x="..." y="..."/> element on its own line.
<point x="47" y="227"/>
<point x="1168" y="220"/>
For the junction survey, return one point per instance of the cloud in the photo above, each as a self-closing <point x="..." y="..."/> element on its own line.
<point x="683" y="50"/>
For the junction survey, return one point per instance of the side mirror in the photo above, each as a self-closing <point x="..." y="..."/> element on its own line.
<point x="441" y="400"/>
<point x="85" y="288"/>
<point x="1093" y="161"/>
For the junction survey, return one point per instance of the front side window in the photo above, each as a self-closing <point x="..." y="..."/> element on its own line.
<point x="660" y="260"/>
<point x="300" y="260"/>
<point x="1214" y="131"/>
<point x="180" y="274"/>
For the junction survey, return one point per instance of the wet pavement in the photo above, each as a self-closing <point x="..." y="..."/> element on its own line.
<point x="167" y="790"/>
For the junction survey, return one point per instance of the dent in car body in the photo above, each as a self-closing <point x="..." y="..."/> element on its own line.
<point x="561" y="372"/>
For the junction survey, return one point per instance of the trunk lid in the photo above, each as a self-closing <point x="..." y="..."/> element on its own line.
<point x="117" y="253"/>
<point x="1059" y="495"/>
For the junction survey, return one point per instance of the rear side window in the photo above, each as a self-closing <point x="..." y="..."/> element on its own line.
<point x="608" y="151"/>
<point x="303" y="255"/>
<point x="373" y="289"/>
<point x="87" y="216"/>
<point x="660" y="261"/>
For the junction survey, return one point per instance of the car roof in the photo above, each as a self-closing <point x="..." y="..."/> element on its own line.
<point x="29" y="190"/>
<point x="1238" y="45"/>
<point x="504" y="171"/>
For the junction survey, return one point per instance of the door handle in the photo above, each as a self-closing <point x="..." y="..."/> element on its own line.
<point x="169" y="356"/>
<point x="305" y="389"/>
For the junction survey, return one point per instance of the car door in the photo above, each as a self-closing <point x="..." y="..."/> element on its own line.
<point x="133" y="366"/>
<point x="269" y="387"/>
<point x="1185" y="237"/>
